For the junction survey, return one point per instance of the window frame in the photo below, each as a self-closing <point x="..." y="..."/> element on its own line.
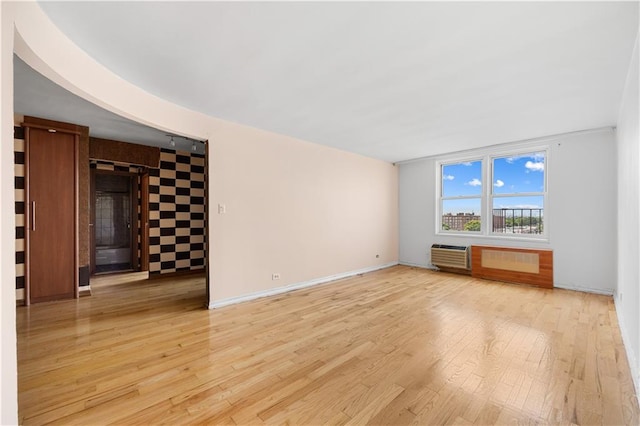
<point x="442" y="198"/>
<point x="487" y="196"/>
<point x="492" y="195"/>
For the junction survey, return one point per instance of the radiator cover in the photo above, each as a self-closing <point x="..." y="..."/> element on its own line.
<point x="514" y="265"/>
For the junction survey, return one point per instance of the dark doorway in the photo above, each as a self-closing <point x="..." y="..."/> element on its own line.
<point x="115" y="218"/>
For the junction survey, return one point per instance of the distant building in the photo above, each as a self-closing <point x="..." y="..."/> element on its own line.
<point x="512" y="221"/>
<point x="456" y="222"/>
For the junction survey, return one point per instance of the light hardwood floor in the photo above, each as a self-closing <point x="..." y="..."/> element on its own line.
<point x="398" y="346"/>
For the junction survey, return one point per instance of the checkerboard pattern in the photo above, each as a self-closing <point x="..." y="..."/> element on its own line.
<point x="18" y="161"/>
<point x="177" y="213"/>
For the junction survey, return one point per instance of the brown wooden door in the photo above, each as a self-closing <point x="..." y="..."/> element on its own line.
<point x="51" y="245"/>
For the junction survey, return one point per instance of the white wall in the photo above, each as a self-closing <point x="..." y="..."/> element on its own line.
<point x="304" y="211"/>
<point x="627" y="295"/>
<point x="298" y="209"/>
<point x="580" y="213"/>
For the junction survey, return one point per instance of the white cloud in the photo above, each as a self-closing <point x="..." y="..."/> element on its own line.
<point x="448" y="177"/>
<point x="467" y="163"/>
<point x="537" y="166"/>
<point x="498" y="184"/>
<point x="538" y="157"/>
<point x="475" y="182"/>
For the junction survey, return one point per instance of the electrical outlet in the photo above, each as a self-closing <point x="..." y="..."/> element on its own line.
<point x="275" y="276"/>
<point x="222" y="209"/>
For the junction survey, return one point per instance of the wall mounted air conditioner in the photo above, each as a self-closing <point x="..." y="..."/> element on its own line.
<point x="450" y="256"/>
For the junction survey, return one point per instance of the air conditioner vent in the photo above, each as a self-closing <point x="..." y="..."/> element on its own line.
<point x="450" y="256"/>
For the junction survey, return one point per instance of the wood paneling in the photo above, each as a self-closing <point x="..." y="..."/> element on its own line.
<point x="397" y="346"/>
<point x="123" y="152"/>
<point x="84" y="247"/>
<point x="509" y="273"/>
<point x="51" y="219"/>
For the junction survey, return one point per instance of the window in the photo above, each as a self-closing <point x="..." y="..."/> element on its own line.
<point x="518" y="192"/>
<point x="511" y="205"/>
<point x="461" y="196"/>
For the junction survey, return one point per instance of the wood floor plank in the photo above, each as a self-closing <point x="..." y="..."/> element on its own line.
<point x="397" y="346"/>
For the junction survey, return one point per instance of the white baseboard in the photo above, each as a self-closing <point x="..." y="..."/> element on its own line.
<point x="418" y="265"/>
<point x="296" y="286"/>
<point x="606" y="292"/>
<point x="631" y="356"/>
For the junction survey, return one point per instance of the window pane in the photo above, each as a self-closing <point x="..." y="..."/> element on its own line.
<point x="518" y="215"/>
<point x="461" y="215"/>
<point x="462" y="179"/>
<point x="518" y="174"/>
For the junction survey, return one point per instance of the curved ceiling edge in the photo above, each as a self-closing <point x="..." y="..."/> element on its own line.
<point x="40" y="44"/>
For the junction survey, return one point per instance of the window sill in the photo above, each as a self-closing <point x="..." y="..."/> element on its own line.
<point x="496" y="237"/>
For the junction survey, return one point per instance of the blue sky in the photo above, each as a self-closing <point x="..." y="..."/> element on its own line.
<point x="511" y="175"/>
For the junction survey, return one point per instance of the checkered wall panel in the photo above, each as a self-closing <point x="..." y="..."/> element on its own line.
<point x="177" y="213"/>
<point x="18" y="160"/>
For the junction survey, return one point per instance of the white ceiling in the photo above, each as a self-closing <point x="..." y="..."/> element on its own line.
<point x="388" y="80"/>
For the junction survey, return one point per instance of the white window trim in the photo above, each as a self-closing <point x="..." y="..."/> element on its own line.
<point x="486" y="157"/>
<point x="440" y="196"/>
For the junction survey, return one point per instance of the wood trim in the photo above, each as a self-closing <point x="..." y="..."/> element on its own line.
<point x="41" y="123"/>
<point x="124" y="152"/>
<point x="92" y="221"/>
<point x="544" y="277"/>
<point x="52" y="128"/>
<point x="207" y="234"/>
<point x="76" y="216"/>
<point x="27" y="221"/>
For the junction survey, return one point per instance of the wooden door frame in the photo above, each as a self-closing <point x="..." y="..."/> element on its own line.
<point x="134" y="231"/>
<point x="207" y="234"/>
<point x="55" y="128"/>
<point x="92" y="221"/>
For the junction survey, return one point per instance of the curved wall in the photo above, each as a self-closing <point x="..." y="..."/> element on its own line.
<point x="301" y="210"/>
